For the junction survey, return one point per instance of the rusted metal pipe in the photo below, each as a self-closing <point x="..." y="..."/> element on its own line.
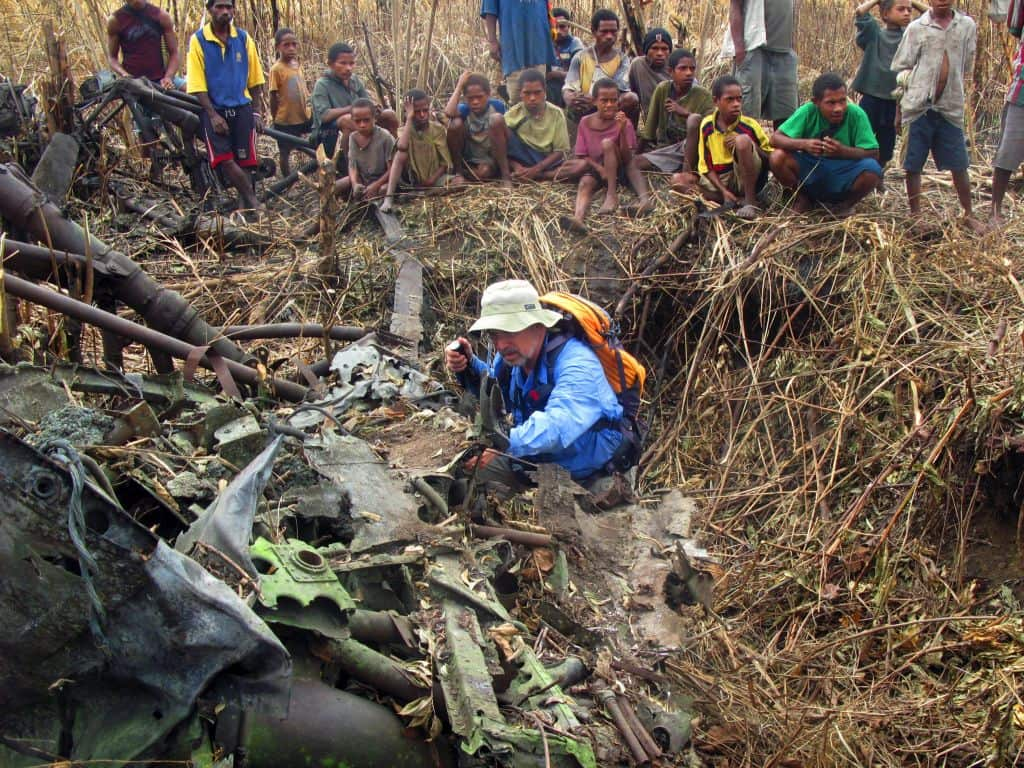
<point x="298" y="143"/>
<point x="294" y="331"/>
<point x="26" y="209"/>
<point x="36" y="261"/>
<point x="607" y="698"/>
<point x="25" y="289"/>
<point x="362" y="663"/>
<point x="646" y="740"/>
<point x="380" y="628"/>
<point x="512" y="535"/>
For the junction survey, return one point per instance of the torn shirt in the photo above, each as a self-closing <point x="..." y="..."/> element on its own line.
<point x="918" y="63"/>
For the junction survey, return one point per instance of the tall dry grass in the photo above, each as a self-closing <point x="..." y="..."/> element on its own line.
<point x="428" y="42"/>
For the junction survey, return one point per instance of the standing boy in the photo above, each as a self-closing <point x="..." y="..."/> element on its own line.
<point x="289" y="96"/>
<point x="732" y="151"/>
<point x="676" y="109"/>
<point x="525" y="42"/>
<point x="875" y="79"/>
<point x="932" y="62"/>
<point x="422" y="159"/>
<point x="826" y="151"/>
<point x="1011" y="144"/>
<point x="601" y="60"/>
<point x="225" y="74"/>
<point x="538" y="138"/>
<point x="605" y="144"/>
<point x="567" y="45"/>
<point x="648" y="71"/>
<point x="476" y="132"/>
<point x="759" y="39"/>
<point x="369" y="155"/>
<point x="334" y="93"/>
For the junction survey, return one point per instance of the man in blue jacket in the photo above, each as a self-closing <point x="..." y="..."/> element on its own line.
<point x="563" y="409"/>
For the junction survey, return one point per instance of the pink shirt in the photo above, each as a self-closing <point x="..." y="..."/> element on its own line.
<point x="588" y="140"/>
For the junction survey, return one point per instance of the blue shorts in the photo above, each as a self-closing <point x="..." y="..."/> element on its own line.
<point x="932" y="132"/>
<point x="524" y="154"/>
<point x="829" y="179"/>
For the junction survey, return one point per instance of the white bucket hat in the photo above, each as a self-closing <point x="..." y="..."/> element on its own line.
<point x="512" y="306"/>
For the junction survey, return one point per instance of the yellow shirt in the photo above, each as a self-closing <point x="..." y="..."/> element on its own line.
<point x="589" y="66"/>
<point x="196" y="81"/>
<point x="713" y="154"/>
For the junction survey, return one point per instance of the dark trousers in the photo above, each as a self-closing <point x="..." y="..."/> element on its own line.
<point x="882" y="114"/>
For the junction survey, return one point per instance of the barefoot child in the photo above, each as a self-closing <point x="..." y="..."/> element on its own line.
<point x="476" y="132"/>
<point x="604" y="155"/>
<point x="677" y="107"/>
<point x="288" y="94"/>
<point x="1011" y="143"/>
<point x="732" y="151"/>
<point x="422" y="159"/>
<point x="369" y="155"/>
<point x="875" y="79"/>
<point x="932" y="62"/>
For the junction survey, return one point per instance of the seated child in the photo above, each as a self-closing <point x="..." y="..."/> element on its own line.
<point x="538" y="138"/>
<point x="477" y="138"/>
<point x="732" y="151"/>
<point x="826" y="152"/>
<point x="288" y="94"/>
<point x="422" y="159"/>
<point x="677" y="107"/>
<point x="369" y="155"/>
<point x="604" y="156"/>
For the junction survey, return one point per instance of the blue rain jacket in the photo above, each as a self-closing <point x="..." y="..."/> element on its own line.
<point x="576" y="426"/>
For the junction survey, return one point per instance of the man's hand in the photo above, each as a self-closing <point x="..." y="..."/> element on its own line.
<point x="832" y="148"/>
<point x="257" y="118"/>
<point x="729" y="197"/>
<point x="167" y="83"/>
<point x="495" y="48"/>
<point x="741" y="54"/>
<point x="814" y="146"/>
<point x="581" y="102"/>
<point x="220" y="125"/>
<point x="457" y="360"/>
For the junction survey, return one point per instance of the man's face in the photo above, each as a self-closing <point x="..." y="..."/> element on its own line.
<point x="832" y="105"/>
<point x="421" y="114"/>
<point x="476" y="98"/>
<point x="683" y="74"/>
<point x="657" y="55"/>
<point x="343" y="65"/>
<point x="532" y="95"/>
<point x="222" y="12"/>
<point x="519" y="348"/>
<point x="730" y="103"/>
<point x="562" y="29"/>
<point x="606" y="34"/>
<point x="607" y="100"/>
<point x="362" y="118"/>
<point x="942" y="5"/>
<point x="136" y="5"/>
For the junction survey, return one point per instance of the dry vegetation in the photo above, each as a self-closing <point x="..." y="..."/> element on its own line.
<point x="843" y="398"/>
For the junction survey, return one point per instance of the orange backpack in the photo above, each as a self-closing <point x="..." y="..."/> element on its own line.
<point x="588" y="322"/>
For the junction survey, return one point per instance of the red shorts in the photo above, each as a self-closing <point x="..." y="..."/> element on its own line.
<point x="238" y="144"/>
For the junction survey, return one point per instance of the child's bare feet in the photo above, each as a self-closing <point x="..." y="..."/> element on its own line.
<point x="572" y="224"/>
<point x="387" y="206"/>
<point x="611" y="203"/>
<point x="974" y="225"/>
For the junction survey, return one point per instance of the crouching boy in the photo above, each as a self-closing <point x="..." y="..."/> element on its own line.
<point x="605" y="146"/>
<point x="826" y="151"/>
<point x="422" y="159"/>
<point x="538" y="137"/>
<point x="369" y="155"/>
<point x="732" y="151"/>
<point x="476" y="134"/>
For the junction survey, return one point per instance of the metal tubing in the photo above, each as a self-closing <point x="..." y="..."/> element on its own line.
<point x="293" y="331"/>
<point x="326" y="726"/>
<point x="24" y="207"/>
<point x="512" y="535"/>
<point x="297" y="142"/>
<point x="607" y="698"/>
<point x="646" y="740"/>
<point x="376" y="670"/>
<point x="379" y="628"/>
<point x="149" y="337"/>
<point x="431" y="495"/>
<point x="36" y="261"/>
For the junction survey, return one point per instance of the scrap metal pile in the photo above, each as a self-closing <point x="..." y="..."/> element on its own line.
<point x="229" y="581"/>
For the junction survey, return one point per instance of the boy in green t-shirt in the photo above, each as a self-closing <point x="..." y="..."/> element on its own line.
<point x="538" y="137"/>
<point x="826" y="151"/>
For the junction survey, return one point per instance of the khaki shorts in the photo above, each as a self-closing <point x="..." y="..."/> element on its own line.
<point x="731" y="179"/>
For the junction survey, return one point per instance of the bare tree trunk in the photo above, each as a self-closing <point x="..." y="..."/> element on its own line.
<point x="328" y="264"/>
